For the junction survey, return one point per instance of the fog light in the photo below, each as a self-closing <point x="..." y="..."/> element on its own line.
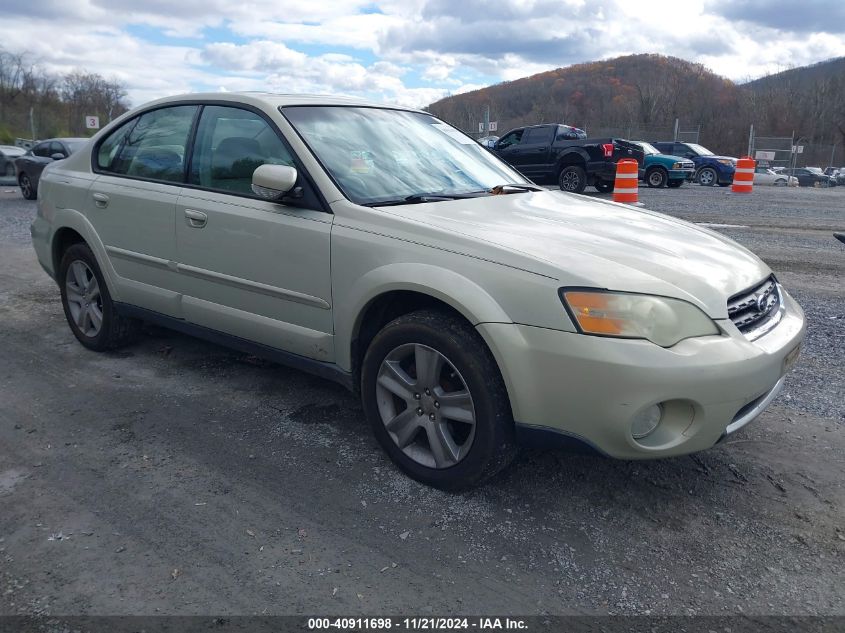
<point x="646" y="421"/>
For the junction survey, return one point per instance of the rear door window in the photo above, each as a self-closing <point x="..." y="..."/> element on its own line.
<point x="538" y="135"/>
<point x="153" y="146"/>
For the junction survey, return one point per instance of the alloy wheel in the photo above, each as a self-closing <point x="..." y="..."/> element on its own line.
<point x="706" y="177"/>
<point x="26" y="186"/>
<point x="570" y="181"/>
<point x="84" y="300"/>
<point x="425" y="406"/>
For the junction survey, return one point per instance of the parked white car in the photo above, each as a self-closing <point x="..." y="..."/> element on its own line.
<point x="767" y="176"/>
<point x="384" y="249"/>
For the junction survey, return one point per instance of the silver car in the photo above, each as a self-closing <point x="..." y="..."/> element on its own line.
<point x="8" y="154"/>
<point x="384" y="249"/>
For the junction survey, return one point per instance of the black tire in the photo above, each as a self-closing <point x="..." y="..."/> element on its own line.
<point x="780" y="182"/>
<point x="115" y="330"/>
<point x="602" y="186"/>
<point x="707" y="177"/>
<point x="572" y="179"/>
<point x="492" y="447"/>
<point x="656" y="177"/>
<point x="674" y="184"/>
<point x="27" y="190"/>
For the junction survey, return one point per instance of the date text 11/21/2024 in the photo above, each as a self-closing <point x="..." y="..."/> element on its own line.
<point x="418" y="624"/>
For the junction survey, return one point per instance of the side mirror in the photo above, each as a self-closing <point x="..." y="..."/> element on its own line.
<point x="272" y="182"/>
<point x="58" y="156"/>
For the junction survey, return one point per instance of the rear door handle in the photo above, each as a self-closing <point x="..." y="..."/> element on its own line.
<point x="101" y="200"/>
<point x="195" y="219"/>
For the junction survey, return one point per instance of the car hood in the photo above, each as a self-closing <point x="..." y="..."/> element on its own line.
<point x="588" y="242"/>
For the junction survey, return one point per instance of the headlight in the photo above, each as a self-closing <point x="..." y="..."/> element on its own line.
<point x="726" y="161"/>
<point x="678" y="166"/>
<point x="661" y="320"/>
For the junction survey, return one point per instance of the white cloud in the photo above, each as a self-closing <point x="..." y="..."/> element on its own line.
<point x="404" y="51"/>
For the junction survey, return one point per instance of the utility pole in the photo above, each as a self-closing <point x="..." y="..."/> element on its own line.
<point x="487" y="120"/>
<point x="750" y="141"/>
<point x="677" y="125"/>
<point x="32" y="122"/>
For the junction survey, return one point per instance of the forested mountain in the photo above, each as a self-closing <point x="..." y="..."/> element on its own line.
<point x="641" y="96"/>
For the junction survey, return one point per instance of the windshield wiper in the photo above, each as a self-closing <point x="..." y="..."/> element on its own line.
<point x="419" y="198"/>
<point x="499" y="189"/>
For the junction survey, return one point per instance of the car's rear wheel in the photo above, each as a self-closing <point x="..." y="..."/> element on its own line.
<point x="87" y="303"/>
<point x="656" y="177"/>
<point x="603" y="186"/>
<point x="674" y="184"/>
<point x="27" y="190"/>
<point x="707" y="177"/>
<point x="780" y="182"/>
<point x="573" y="179"/>
<point x="436" y="400"/>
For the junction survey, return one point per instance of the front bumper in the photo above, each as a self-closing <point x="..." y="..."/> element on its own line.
<point x="590" y="388"/>
<point x="682" y="174"/>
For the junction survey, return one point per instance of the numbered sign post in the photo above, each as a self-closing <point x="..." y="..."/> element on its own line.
<point x="92" y="122"/>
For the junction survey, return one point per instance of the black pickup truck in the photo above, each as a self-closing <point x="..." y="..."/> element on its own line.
<point x="563" y="154"/>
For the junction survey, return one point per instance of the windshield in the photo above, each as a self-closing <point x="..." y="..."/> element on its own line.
<point x="379" y="155"/>
<point x="815" y="170"/>
<point x="648" y="148"/>
<point x="698" y="149"/>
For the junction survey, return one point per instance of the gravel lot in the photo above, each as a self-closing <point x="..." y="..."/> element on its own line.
<point x="178" y="477"/>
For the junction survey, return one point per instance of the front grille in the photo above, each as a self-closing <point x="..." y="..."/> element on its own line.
<point x="754" y="309"/>
<point x="687" y="164"/>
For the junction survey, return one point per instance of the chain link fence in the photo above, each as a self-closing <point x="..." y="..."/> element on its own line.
<point x="786" y="151"/>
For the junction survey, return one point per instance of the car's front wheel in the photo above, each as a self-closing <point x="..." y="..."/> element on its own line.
<point x="27" y="190"/>
<point x="87" y="303"/>
<point x="656" y="177"/>
<point x="436" y="400"/>
<point x="707" y="177"/>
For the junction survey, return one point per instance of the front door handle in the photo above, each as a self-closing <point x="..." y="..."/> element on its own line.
<point x="101" y="200"/>
<point x="195" y="219"/>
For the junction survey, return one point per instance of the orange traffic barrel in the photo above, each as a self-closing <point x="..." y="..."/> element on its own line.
<point x="744" y="175"/>
<point x="625" y="187"/>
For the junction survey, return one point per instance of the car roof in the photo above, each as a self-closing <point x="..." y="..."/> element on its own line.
<point x="276" y="100"/>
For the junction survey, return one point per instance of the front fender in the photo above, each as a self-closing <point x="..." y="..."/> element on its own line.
<point x="464" y="295"/>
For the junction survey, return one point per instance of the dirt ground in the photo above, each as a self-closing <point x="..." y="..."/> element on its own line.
<point x="177" y="477"/>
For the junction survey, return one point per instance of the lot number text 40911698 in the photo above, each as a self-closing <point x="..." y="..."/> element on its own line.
<point x="418" y="624"/>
